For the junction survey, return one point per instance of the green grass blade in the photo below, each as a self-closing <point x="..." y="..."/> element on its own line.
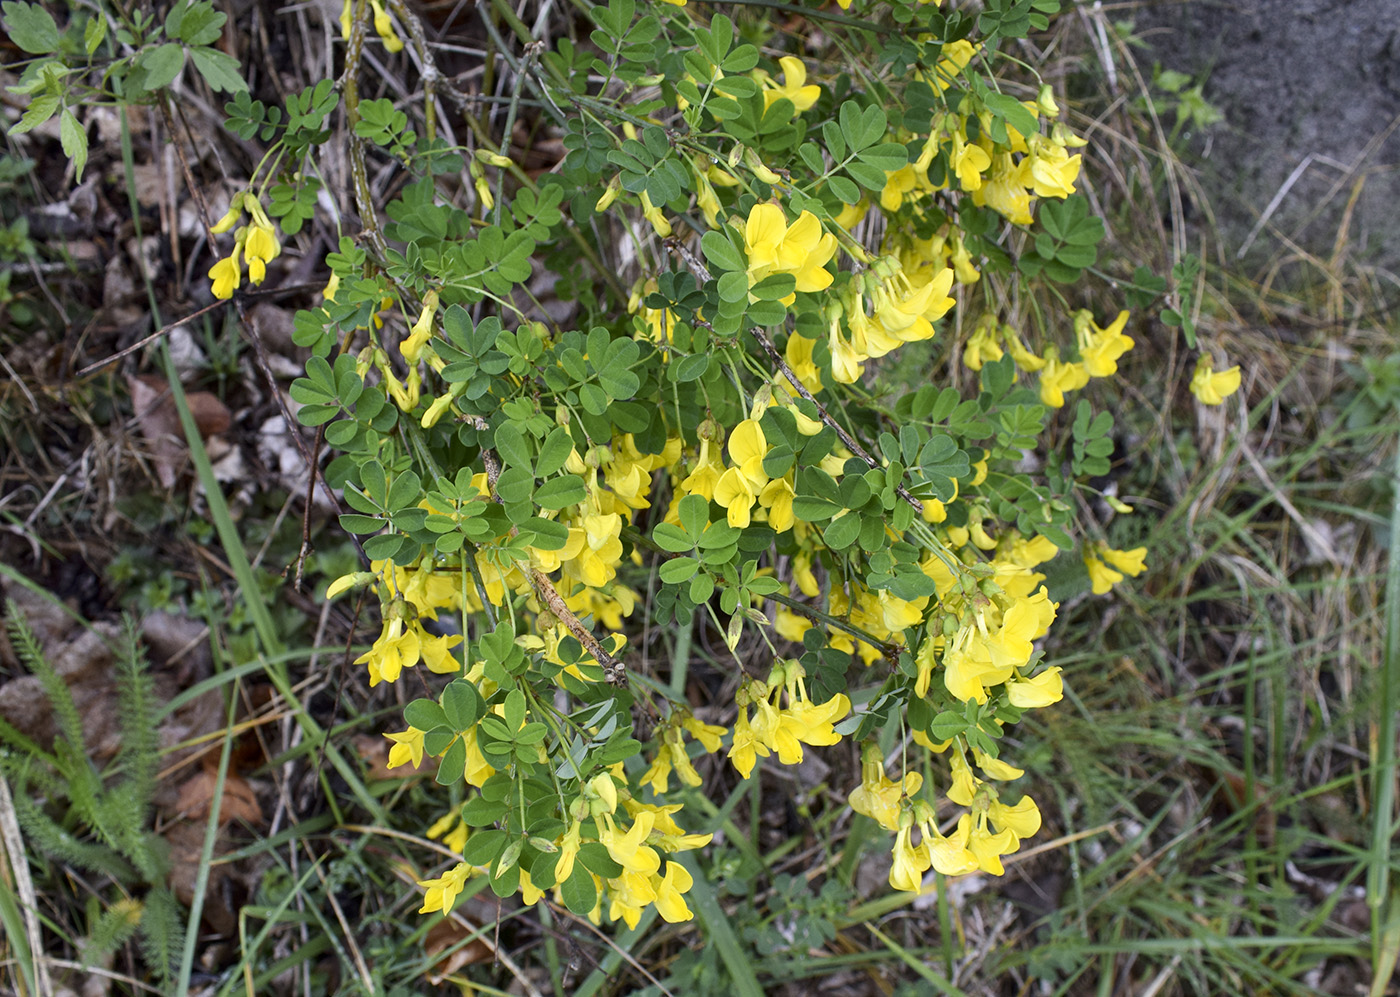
<point x="940" y="984"/>
<point x="716" y="925"/>
<point x="1383" y="792"/>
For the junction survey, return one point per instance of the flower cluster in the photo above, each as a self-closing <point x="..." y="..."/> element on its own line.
<point x="256" y="242"/>
<point x="726" y="456"/>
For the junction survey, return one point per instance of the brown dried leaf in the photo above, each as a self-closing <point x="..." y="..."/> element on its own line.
<point x="446" y="935"/>
<point x="239" y="802"/>
<point x="186" y="842"/>
<point x="160" y="423"/>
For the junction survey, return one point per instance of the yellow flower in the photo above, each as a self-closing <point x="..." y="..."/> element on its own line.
<point x="1058" y="377"/>
<point x="451" y="829"/>
<point x="908" y="864"/>
<point x="1021" y="818"/>
<point x="1210" y="386"/>
<point x="629" y="850"/>
<point x="230" y="218"/>
<point x="261" y="247"/>
<point x="412" y="347"/>
<point x="738" y="487"/>
<point x="794" y="78"/>
<point x="1004" y="190"/>
<point x="1052" y="170"/>
<point x="703" y="479"/>
<point x="442" y="892"/>
<point x="982" y="346"/>
<point x="777" y="498"/>
<point x="670" y="903"/>
<point x="804" y="722"/>
<point x="1034" y="693"/>
<point x="1130" y="562"/>
<point x="897" y="184"/>
<point x="799" y="358"/>
<point x="396" y="649"/>
<point x="653" y="214"/>
<point x="707" y="734"/>
<point x="801" y="249"/>
<point x="568" y="851"/>
<point x="1101" y="576"/>
<point x="988" y="848"/>
<point x="949" y="855"/>
<point x="995" y="768"/>
<point x="968" y="161"/>
<point x="385" y="28"/>
<point x="408" y="746"/>
<point x="747" y="746"/>
<point x="1101" y="348"/>
<point x="226" y="275"/>
<point x="878" y="797"/>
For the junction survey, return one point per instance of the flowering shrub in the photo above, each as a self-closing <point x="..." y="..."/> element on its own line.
<point x="715" y="444"/>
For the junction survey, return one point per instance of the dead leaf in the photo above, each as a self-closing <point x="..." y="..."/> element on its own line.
<point x="445" y="936"/>
<point x="186" y="842"/>
<point x="160" y="422"/>
<point x="239" y="802"/>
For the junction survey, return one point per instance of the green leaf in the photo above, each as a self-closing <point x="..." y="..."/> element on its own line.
<point x="556" y="493"/>
<point x="40" y="109"/>
<point x="74" y="139"/>
<point x="31" y="27"/>
<point x="424" y="714"/>
<point x="593" y="399"/>
<point x="220" y="71"/>
<point x="461" y="705"/>
<point x="888" y="156"/>
<point x="841" y="533"/>
<point x="554" y="452"/>
<point x="694" y="512"/>
<point x="162" y="64"/>
<point x="721" y="252"/>
<point x="515" y="709"/>
<point x="844" y="189"/>
<point x="774" y="287"/>
<point x="484" y="847"/>
<point x="515" y="485"/>
<point x="1015" y="114"/>
<point x="511" y="445"/>
<point x="361" y="525"/>
<point x="734" y="286"/>
<point x="580" y="895"/>
<point x="195" y="23"/>
<point x="479" y="812"/>
<point x="678" y="570"/>
<point x="453" y="764"/>
<point x="690" y="368"/>
<point x="93" y="33"/>
<point x="672" y="538"/>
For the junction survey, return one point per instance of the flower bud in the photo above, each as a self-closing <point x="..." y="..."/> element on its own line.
<point x="610" y="194"/>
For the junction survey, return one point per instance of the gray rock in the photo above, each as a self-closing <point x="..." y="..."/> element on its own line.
<point x="1306" y="86"/>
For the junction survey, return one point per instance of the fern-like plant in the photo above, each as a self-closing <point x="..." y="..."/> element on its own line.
<point x="75" y="815"/>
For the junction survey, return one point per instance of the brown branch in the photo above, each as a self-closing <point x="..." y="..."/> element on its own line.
<point x="613" y="669"/>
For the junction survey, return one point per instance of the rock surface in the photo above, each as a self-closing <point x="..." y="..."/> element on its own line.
<point x="1313" y="82"/>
